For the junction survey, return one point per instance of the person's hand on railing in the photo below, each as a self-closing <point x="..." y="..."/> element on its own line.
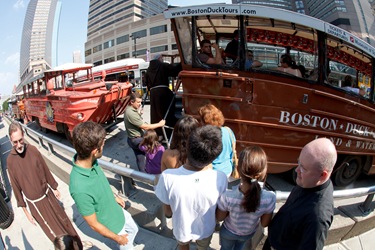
<point x="161" y="123"/>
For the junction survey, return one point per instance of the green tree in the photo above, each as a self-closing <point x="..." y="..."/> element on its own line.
<point x="5" y="105"/>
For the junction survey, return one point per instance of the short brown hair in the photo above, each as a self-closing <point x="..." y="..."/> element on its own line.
<point x="134" y="96"/>
<point x="14" y="127"/>
<point x="87" y="136"/>
<point x="211" y="115"/>
<point x="203" y="42"/>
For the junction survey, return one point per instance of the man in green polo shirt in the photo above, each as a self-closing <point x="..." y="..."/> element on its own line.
<point x="91" y="192"/>
<point x="134" y="128"/>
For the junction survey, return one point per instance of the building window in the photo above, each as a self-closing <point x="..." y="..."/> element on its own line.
<point x="299" y="5"/>
<point x="98" y="63"/>
<point x="123" y="56"/>
<point x="141" y="52"/>
<point x="158" y="30"/>
<point x="122" y="39"/>
<point x="341" y="21"/>
<point x="97" y="48"/>
<point x="109" y="44"/>
<point x="139" y="34"/>
<point x="108" y="60"/>
<point x="159" y="49"/>
<point x="174" y="46"/>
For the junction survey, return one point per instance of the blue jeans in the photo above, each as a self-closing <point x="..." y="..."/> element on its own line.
<point x="230" y="241"/>
<point x="139" y="155"/>
<point x="131" y="229"/>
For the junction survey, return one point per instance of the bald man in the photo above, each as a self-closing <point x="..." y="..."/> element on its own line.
<point x="304" y="220"/>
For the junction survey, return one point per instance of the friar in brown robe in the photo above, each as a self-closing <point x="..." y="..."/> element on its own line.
<point x="33" y="185"/>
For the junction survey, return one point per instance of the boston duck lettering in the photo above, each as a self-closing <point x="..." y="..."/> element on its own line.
<point x="308" y="120"/>
<point x="324" y="123"/>
<point x="356" y="129"/>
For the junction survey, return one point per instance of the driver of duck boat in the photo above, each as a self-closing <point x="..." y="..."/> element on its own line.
<point x="206" y="56"/>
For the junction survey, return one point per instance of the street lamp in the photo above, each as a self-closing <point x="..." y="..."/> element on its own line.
<point x="135" y="44"/>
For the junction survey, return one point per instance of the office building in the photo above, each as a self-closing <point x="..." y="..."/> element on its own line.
<point x="282" y="4"/>
<point x="123" y="29"/>
<point x="38" y="38"/>
<point x="356" y="17"/>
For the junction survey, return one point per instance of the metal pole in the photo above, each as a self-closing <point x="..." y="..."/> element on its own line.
<point x="169" y="107"/>
<point x="135" y="46"/>
<point x="365" y="206"/>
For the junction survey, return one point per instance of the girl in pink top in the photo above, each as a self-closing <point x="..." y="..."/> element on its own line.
<point x="154" y="151"/>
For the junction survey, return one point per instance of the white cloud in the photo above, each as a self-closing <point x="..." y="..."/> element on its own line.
<point x="13" y="59"/>
<point x="19" y="4"/>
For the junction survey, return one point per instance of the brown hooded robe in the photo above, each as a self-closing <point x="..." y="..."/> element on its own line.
<point x="30" y="177"/>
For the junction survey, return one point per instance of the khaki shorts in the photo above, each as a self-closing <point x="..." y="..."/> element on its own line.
<point x="202" y="244"/>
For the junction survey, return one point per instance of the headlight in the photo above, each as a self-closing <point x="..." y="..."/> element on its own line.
<point x="80" y="116"/>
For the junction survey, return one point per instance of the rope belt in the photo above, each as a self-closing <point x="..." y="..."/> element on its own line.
<point x="39" y="199"/>
<point x="36" y="208"/>
<point x="159" y="86"/>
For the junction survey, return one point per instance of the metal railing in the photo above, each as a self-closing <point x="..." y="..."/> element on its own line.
<point x="128" y="174"/>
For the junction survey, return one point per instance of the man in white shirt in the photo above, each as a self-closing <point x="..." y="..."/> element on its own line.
<point x="190" y="192"/>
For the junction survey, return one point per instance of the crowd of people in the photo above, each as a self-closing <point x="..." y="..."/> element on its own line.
<point x="200" y="158"/>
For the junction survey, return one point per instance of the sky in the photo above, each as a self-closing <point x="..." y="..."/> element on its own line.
<point x="72" y="34"/>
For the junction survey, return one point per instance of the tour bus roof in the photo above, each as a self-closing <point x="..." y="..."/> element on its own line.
<point x="70" y="67"/>
<point x="119" y="63"/>
<point x="271" y="14"/>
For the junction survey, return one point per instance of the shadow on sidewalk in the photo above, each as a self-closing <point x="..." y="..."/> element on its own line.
<point x="88" y="232"/>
